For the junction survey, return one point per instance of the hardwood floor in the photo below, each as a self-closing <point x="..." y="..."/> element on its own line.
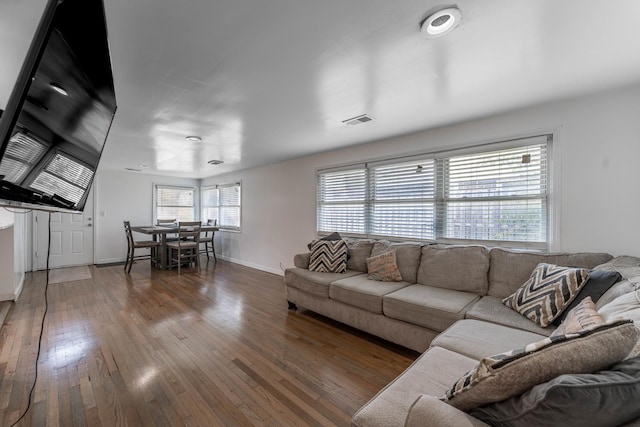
<point x="215" y="347"/>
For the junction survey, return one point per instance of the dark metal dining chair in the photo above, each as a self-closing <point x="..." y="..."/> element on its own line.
<point x="187" y="248"/>
<point x="208" y="240"/>
<point x="132" y="245"/>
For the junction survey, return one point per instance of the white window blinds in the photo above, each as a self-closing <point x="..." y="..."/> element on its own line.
<point x="403" y="199"/>
<point x="342" y="201"/>
<point x="497" y="192"/>
<point x="229" y="197"/>
<point x="175" y="203"/>
<point x="498" y="195"/>
<point x="223" y="203"/>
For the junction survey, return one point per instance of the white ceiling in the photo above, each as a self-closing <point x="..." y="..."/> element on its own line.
<point x="264" y="81"/>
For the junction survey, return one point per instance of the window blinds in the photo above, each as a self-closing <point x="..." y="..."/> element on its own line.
<point x="497" y="192"/>
<point x="223" y="203"/>
<point x="498" y="195"/>
<point x="175" y="203"/>
<point x="342" y="201"/>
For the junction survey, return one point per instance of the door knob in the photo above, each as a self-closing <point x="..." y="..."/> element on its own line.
<point x="89" y="225"/>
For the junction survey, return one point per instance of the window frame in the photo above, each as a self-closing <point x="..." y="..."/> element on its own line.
<point x="196" y="201"/>
<point x="440" y="181"/>
<point x="220" y="206"/>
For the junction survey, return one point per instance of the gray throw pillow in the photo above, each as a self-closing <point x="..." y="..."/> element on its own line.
<point x="605" y="398"/>
<point x="599" y="282"/>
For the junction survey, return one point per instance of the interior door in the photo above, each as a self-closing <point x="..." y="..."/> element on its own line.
<point x="71" y="238"/>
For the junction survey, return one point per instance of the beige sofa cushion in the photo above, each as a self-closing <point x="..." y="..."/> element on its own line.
<point x="433" y="308"/>
<point x="313" y="282"/>
<point x="491" y="309"/>
<point x="431" y="374"/>
<point x="359" y="251"/>
<point x="433" y="412"/>
<point x="461" y="268"/>
<point x="510" y="269"/>
<point x="407" y="257"/>
<point x="362" y="292"/>
<point x="477" y="339"/>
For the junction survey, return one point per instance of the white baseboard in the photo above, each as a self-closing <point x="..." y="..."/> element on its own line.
<point x="252" y="265"/>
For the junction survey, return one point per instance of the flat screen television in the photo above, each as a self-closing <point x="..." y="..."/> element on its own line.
<point x="58" y="116"/>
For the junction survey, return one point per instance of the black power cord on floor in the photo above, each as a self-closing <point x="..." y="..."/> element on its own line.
<point x="44" y="315"/>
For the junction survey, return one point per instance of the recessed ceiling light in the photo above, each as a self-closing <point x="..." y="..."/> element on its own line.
<point x="132" y="170"/>
<point x="193" y="138"/>
<point x="440" y="22"/>
<point x="215" y="162"/>
<point x="143" y="165"/>
<point x="62" y="91"/>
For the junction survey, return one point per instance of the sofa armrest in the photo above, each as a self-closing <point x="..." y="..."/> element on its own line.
<point x="302" y="260"/>
<point x="431" y="411"/>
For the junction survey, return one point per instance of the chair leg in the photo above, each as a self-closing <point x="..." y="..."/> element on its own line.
<point x="206" y="248"/>
<point x="213" y="250"/>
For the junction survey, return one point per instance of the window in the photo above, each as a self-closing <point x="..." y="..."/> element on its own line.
<point x="222" y="203"/>
<point x="174" y="202"/>
<point x="497" y="193"/>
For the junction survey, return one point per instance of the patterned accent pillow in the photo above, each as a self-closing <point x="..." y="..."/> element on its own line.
<point x="384" y="268"/>
<point x="582" y="316"/>
<point x="549" y="290"/>
<point x="328" y="256"/>
<point x="509" y="374"/>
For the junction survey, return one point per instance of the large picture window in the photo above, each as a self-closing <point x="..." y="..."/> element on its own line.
<point x="496" y="193"/>
<point x="173" y="202"/>
<point x="223" y="204"/>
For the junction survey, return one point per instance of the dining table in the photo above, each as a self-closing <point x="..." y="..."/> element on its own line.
<point x="160" y="232"/>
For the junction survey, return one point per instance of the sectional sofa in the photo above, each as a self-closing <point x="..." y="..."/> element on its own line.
<point x="448" y="306"/>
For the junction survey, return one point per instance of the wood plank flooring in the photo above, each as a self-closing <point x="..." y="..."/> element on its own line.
<point x="206" y="348"/>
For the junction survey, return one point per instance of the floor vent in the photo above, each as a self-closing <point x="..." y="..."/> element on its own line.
<point x="364" y="118"/>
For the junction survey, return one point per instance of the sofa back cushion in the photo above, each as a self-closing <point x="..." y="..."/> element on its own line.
<point x="359" y="251"/>
<point x="407" y="257"/>
<point x="460" y="268"/>
<point x="510" y="269"/>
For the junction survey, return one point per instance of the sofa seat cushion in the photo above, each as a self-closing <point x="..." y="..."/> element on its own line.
<point x="431" y="374"/>
<point x="461" y="268"/>
<point x="492" y="310"/>
<point x="362" y="292"/>
<point x="478" y="339"/>
<point x="313" y="282"/>
<point x="433" y="308"/>
<point x="510" y="269"/>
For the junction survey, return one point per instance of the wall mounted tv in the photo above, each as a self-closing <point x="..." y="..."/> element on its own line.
<point x="57" y="118"/>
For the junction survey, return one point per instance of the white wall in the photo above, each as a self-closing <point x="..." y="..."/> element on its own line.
<point x="597" y="191"/>
<point x="123" y="196"/>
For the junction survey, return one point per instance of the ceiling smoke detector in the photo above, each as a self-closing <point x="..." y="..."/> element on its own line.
<point x="193" y="138"/>
<point x="215" y="162"/>
<point x="364" y="118"/>
<point x="440" y="22"/>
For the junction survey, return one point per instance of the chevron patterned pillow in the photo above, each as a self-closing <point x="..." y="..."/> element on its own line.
<point x="549" y="290"/>
<point x="328" y="256"/>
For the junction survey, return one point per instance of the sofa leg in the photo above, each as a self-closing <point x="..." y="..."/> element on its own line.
<point x="292" y="306"/>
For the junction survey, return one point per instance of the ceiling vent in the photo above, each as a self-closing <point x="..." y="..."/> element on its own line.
<point x="364" y="118"/>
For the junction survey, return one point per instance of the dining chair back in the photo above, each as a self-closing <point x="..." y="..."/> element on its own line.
<point x="132" y="245"/>
<point x="168" y="222"/>
<point x="207" y="239"/>
<point x="186" y="248"/>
